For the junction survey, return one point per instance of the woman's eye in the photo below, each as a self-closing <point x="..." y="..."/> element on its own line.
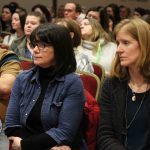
<point x="125" y="42"/>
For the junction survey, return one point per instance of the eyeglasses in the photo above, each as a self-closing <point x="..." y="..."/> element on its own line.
<point x="41" y="46"/>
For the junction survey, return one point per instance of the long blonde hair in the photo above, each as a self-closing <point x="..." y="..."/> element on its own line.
<point x="98" y="31"/>
<point x="140" y="31"/>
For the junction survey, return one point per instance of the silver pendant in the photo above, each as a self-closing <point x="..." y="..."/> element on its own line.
<point x="133" y="98"/>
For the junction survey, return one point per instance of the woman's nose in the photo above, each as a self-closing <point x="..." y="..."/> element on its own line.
<point x="119" y="48"/>
<point x="35" y="49"/>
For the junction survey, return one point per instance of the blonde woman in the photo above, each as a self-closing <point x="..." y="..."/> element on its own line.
<point x="96" y="43"/>
<point x="125" y="97"/>
<point x="83" y="62"/>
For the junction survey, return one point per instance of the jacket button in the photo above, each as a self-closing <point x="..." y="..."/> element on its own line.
<point x="26" y="114"/>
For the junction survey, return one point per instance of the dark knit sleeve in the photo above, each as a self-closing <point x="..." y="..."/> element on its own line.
<point x="38" y="142"/>
<point x="106" y="139"/>
<point x="13" y="131"/>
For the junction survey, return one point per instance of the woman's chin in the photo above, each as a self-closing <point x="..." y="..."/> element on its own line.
<point x="37" y="63"/>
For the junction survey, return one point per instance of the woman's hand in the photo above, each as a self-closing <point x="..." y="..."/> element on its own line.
<point x="63" y="147"/>
<point x="16" y="142"/>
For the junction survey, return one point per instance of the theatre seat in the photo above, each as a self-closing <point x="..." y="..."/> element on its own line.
<point x="99" y="71"/>
<point x="90" y="82"/>
<point x="26" y="63"/>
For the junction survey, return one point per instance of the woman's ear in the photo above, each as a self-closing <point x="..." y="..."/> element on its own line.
<point x="72" y="34"/>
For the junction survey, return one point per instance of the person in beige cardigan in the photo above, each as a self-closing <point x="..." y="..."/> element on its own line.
<point x="9" y="68"/>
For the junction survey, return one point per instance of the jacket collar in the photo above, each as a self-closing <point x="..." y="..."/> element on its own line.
<point x="35" y="77"/>
<point x="120" y="95"/>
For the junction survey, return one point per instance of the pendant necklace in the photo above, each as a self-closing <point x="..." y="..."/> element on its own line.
<point x="133" y="96"/>
<point x="138" y="109"/>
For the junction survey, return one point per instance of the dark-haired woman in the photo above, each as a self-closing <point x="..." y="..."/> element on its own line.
<point x="42" y="10"/>
<point x="47" y="102"/>
<point x="21" y="46"/>
<point x="18" y="22"/>
<point x="7" y="12"/>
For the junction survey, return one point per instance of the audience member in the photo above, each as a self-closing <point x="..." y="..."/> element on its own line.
<point x="21" y="46"/>
<point x="139" y="12"/>
<point x="111" y="25"/>
<point x="21" y="9"/>
<point x="14" y="5"/>
<point x="47" y="102"/>
<point x="124" y="12"/>
<point x="18" y="22"/>
<point x="9" y="68"/>
<point x="113" y="10"/>
<point x="96" y="43"/>
<point x="60" y="12"/>
<point x="7" y="12"/>
<point x="72" y="10"/>
<point x="99" y="13"/>
<point x="124" y="118"/>
<point x="83" y="62"/>
<point x="43" y="10"/>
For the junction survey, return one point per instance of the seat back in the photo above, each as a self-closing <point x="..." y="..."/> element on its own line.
<point x="90" y="82"/>
<point x="99" y="71"/>
<point x="10" y="146"/>
<point x="26" y="63"/>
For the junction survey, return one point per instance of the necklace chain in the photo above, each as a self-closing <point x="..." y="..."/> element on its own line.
<point x="131" y="85"/>
<point x="132" y="120"/>
<point x="138" y="88"/>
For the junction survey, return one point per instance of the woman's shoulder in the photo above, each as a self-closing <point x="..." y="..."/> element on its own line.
<point x="18" y="43"/>
<point x="114" y="82"/>
<point x="26" y="74"/>
<point x="73" y="83"/>
<point x="21" y="37"/>
<point x="20" y="40"/>
<point x="72" y="77"/>
<point x="5" y="40"/>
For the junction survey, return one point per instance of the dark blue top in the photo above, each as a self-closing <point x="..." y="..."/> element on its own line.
<point x="61" y="110"/>
<point x="137" y="133"/>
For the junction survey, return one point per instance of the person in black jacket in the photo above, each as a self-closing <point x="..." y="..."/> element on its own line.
<point x="125" y="96"/>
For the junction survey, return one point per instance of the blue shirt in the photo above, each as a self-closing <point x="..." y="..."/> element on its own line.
<point x="62" y="108"/>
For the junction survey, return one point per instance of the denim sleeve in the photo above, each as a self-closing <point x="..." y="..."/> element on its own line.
<point x="70" y="115"/>
<point x="13" y="110"/>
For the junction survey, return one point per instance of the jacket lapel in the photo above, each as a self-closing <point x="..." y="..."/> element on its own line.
<point x="119" y="94"/>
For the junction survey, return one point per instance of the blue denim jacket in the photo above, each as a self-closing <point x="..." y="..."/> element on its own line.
<point x="62" y="108"/>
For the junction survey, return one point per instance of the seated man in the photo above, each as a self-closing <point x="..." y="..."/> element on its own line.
<point x="9" y="68"/>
